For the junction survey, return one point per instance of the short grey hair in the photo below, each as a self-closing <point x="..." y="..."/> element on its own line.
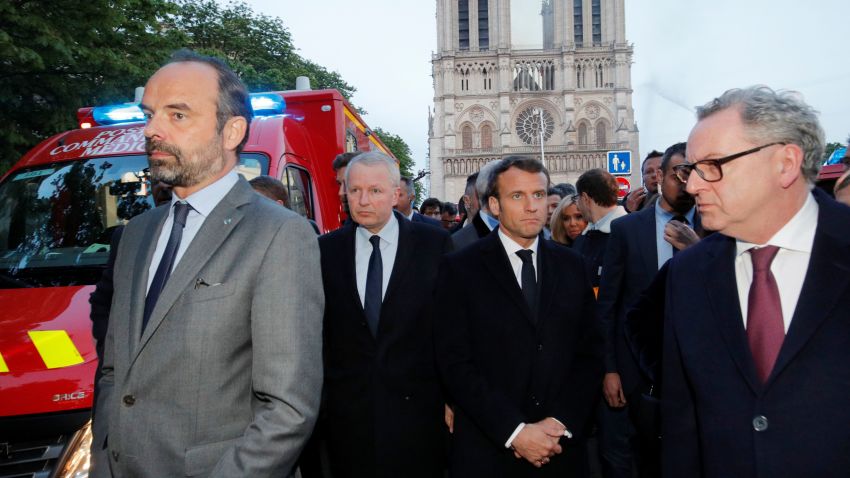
<point x="775" y="116"/>
<point x="372" y="158"/>
<point x="483" y="181"/>
<point x="408" y="185"/>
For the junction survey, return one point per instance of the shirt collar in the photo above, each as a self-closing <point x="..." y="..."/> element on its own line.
<point x="205" y="200"/>
<point x="489" y="220"/>
<point x="388" y="233"/>
<point x="664" y="216"/>
<point x="604" y="224"/>
<point x="511" y="246"/>
<point x="798" y="234"/>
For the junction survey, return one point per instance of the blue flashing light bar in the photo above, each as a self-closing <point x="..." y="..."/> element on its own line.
<point x="267" y="104"/>
<point x="117" y="114"/>
<point x="263" y="104"/>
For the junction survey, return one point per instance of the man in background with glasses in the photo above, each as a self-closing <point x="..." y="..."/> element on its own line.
<point x="757" y="327"/>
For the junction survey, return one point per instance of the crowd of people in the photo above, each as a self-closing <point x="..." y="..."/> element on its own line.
<point x="698" y="328"/>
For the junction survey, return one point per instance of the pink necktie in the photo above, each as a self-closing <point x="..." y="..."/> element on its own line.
<point x="765" y="328"/>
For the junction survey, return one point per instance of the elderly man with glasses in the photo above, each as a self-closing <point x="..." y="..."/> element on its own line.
<point x="757" y="333"/>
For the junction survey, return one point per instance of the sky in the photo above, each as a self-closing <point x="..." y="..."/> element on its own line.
<point x="686" y="53"/>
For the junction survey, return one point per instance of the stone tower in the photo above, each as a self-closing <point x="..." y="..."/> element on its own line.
<point x="509" y="74"/>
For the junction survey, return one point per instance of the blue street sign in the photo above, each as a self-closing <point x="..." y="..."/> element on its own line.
<point x="620" y="162"/>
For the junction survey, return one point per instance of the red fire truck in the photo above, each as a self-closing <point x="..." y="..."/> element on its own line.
<point x="58" y="206"/>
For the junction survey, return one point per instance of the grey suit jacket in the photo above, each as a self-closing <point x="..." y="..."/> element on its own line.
<point x="226" y="378"/>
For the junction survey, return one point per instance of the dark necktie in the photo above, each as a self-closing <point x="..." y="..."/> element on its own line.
<point x="765" y="328"/>
<point x="181" y="211"/>
<point x="684" y="221"/>
<point x="529" y="281"/>
<point x="374" y="286"/>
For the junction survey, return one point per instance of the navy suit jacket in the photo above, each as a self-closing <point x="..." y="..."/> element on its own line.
<point x="629" y="265"/>
<point x="502" y="366"/>
<point x="425" y="220"/>
<point x="718" y="420"/>
<point x="383" y="405"/>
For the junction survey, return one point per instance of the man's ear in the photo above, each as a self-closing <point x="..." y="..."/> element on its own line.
<point x="233" y="132"/>
<point x="790" y="161"/>
<point x="493" y="205"/>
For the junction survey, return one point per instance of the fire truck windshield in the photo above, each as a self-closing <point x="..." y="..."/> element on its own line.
<point x="56" y="221"/>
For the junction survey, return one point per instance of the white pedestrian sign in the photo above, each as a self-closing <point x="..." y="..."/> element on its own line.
<point x="620" y="162"/>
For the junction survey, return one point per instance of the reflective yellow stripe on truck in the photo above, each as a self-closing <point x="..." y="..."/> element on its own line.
<point x="56" y="348"/>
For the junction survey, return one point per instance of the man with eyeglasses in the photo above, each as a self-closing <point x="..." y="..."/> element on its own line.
<point x="757" y="330"/>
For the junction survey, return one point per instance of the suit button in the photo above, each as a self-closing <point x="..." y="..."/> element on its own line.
<point x="407" y="398"/>
<point x="760" y="423"/>
<point x="363" y="324"/>
<point x="129" y="400"/>
<point x="115" y="455"/>
<point x="539" y="347"/>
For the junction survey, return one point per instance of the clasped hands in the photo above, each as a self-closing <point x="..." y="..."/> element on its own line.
<point x="538" y="442"/>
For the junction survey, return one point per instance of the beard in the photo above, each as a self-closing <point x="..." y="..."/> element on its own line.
<point x="185" y="169"/>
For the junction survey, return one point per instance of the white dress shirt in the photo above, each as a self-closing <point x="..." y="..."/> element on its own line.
<point x="604" y="223"/>
<point x="363" y="251"/>
<point x="511" y="247"/>
<point x="789" y="267"/>
<point x="203" y="202"/>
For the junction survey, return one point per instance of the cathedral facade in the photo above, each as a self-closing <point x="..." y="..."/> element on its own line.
<point x="545" y="78"/>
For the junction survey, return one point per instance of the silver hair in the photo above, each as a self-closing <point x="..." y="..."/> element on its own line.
<point x="775" y="116"/>
<point x="372" y="158"/>
<point x="483" y="180"/>
<point x="408" y="185"/>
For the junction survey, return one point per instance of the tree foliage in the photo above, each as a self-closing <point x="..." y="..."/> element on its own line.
<point x="258" y="47"/>
<point x="402" y="152"/>
<point x="74" y="54"/>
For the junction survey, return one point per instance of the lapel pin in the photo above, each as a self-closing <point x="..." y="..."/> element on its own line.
<point x="227" y="221"/>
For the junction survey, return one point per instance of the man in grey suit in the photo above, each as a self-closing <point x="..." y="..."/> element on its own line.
<point x="213" y="356"/>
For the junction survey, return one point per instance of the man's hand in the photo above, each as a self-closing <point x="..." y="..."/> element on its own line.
<point x="537" y="442"/>
<point x="635" y="199"/>
<point x="450" y="419"/>
<point x="612" y="389"/>
<point x="680" y="235"/>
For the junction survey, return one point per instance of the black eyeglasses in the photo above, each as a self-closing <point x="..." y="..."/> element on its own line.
<point x="710" y="170"/>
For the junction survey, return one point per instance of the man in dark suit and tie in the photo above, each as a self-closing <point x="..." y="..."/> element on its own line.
<point x="757" y="328"/>
<point x="637" y="247"/>
<point x="520" y="352"/>
<point x="384" y="406"/>
<point x="212" y="359"/>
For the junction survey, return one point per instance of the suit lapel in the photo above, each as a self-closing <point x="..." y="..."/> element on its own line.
<point x="497" y="262"/>
<point x="727" y="307"/>
<point x="144" y="255"/>
<point x="403" y="256"/>
<point x="827" y="280"/>
<point x="647" y="239"/>
<point x="349" y="269"/>
<point x="216" y="228"/>
<point x="548" y="276"/>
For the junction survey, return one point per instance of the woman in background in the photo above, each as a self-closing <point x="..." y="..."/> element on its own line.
<point x="567" y="223"/>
